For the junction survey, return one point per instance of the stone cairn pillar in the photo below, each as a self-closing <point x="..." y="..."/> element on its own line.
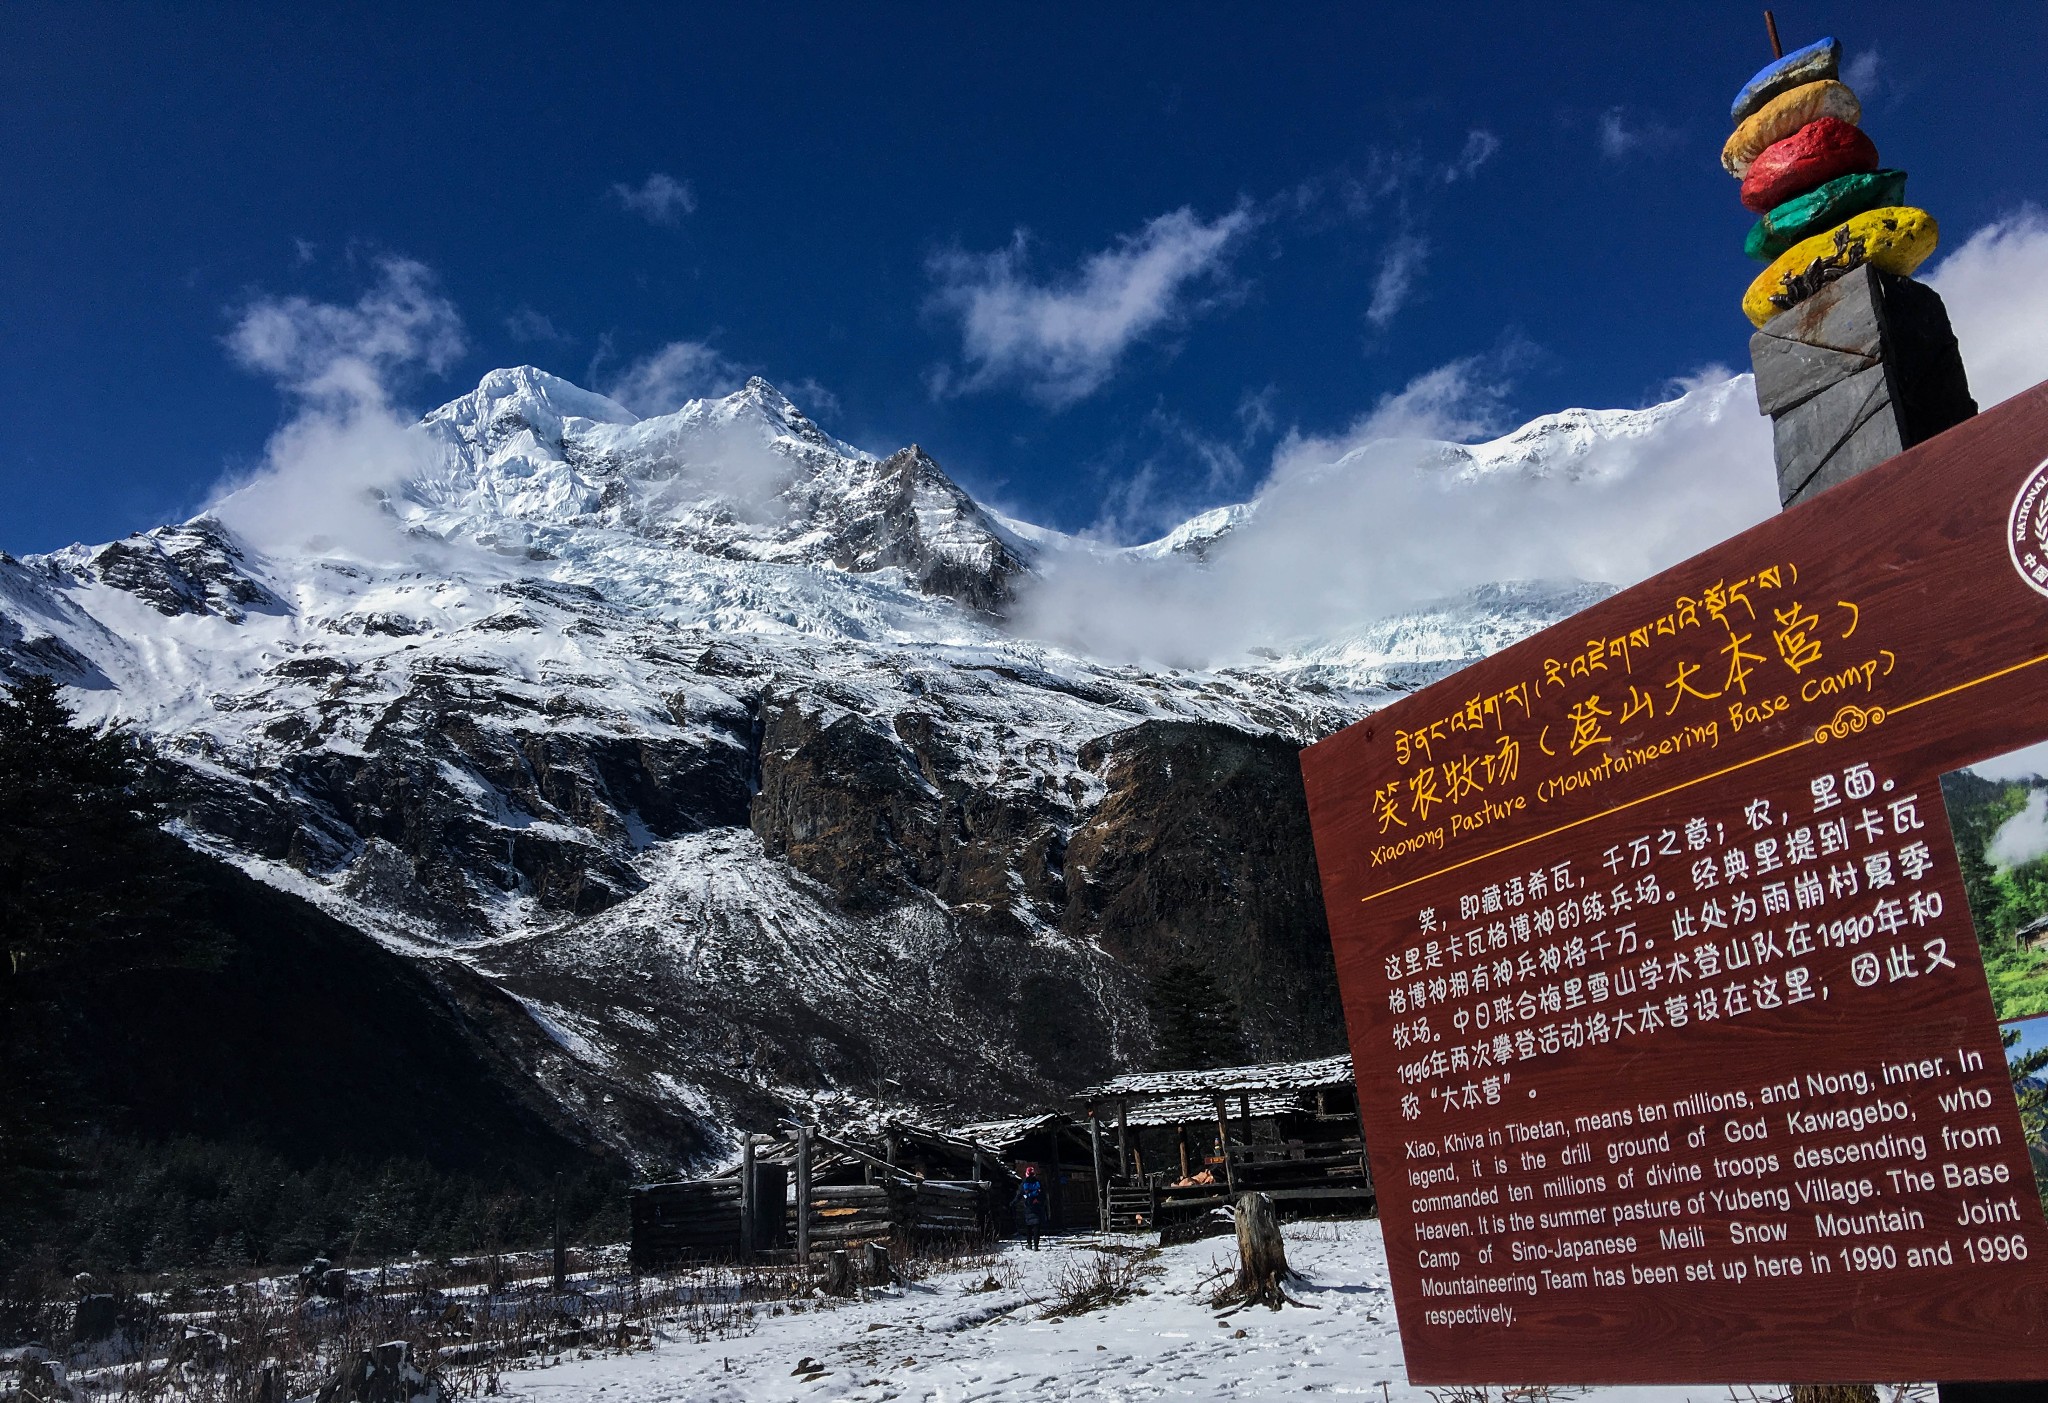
<point x="1854" y="360"/>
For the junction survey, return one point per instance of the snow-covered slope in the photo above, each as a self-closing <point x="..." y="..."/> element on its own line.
<point x="705" y="736"/>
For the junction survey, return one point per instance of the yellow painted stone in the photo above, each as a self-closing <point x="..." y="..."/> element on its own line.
<point x="1785" y="114"/>
<point x="1895" y="239"/>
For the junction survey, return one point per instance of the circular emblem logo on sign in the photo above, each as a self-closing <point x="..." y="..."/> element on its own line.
<point x="2026" y="531"/>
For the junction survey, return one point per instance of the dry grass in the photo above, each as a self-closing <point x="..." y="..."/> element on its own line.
<point x="1095" y="1278"/>
<point x="466" y="1323"/>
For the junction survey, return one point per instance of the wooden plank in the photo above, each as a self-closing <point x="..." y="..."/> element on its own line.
<point x="1223" y="1143"/>
<point x="1095" y="1158"/>
<point x="747" y="1205"/>
<point x="803" y="1195"/>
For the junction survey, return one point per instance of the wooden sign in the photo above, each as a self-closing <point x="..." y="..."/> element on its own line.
<point x="1673" y="1043"/>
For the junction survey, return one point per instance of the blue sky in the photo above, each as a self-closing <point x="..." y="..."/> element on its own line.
<point x="1098" y="260"/>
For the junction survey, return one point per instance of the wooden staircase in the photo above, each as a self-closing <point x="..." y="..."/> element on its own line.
<point x="1132" y="1208"/>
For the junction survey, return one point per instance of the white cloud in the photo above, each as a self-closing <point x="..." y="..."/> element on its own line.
<point x="1996" y="287"/>
<point x="1480" y="146"/>
<point x="1373" y="522"/>
<point x="323" y="350"/>
<point x="2023" y="837"/>
<point x="812" y="397"/>
<point x="1367" y="524"/>
<point x="324" y="475"/>
<point x="659" y="199"/>
<point x="1394" y="285"/>
<point x="1455" y="403"/>
<point x="1864" y="73"/>
<point x="1062" y="340"/>
<point x="681" y="371"/>
<point x="1189" y="470"/>
<point x="525" y="324"/>
<point x="1255" y="413"/>
<point x="1621" y="136"/>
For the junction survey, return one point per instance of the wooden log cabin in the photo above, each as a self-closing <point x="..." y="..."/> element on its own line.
<point x="1057" y="1145"/>
<point x="795" y="1195"/>
<point x="1171" y="1145"/>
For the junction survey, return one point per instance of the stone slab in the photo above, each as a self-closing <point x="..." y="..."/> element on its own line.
<point x="1789" y="373"/>
<point x="1846" y="428"/>
<point x="1864" y="369"/>
<point x="1836" y="333"/>
<point x="1928" y="380"/>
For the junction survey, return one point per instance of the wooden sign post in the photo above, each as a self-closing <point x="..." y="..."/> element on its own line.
<point x="1673" y="1041"/>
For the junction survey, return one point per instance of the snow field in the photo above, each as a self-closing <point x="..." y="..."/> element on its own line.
<point x="945" y="1340"/>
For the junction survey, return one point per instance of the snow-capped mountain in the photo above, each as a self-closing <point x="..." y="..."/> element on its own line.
<point x="704" y="738"/>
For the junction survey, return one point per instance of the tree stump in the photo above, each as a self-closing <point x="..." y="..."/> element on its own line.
<point x="879" y="1272"/>
<point x="1261" y="1256"/>
<point x="839" y="1274"/>
<point x="383" y="1373"/>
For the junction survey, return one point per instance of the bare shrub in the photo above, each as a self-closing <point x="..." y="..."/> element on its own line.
<point x="1095" y="1279"/>
<point x="465" y="1325"/>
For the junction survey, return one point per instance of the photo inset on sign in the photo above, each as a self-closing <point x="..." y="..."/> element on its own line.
<point x="2026" y="1052"/>
<point x="1998" y="815"/>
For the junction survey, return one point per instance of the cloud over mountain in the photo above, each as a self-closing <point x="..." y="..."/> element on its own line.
<point x="1061" y="340"/>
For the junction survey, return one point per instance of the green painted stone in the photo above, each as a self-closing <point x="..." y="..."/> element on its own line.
<point x="1821" y="209"/>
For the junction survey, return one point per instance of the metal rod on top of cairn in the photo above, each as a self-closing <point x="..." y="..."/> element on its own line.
<point x="1855" y="361"/>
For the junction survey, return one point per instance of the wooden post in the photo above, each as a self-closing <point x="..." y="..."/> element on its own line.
<point x="748" y="1208"/>
<point x="561" y="1250"/>
<point x="1364" y="1151"/>
<point x="803" y="1196"/>
<point x="1223" y="1143"/>
<point x="1101" y="1184"/>
<point x="1123" y="1139"/>
<point x="1184" y="1152"/>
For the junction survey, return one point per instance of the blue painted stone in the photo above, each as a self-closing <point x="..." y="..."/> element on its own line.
<point x="1822" y="59"/>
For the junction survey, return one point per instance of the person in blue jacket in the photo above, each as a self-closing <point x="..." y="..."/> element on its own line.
<point x="1031" y="1206"/>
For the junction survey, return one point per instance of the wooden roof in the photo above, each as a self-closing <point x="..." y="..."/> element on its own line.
<point x="1275" y="1077"/>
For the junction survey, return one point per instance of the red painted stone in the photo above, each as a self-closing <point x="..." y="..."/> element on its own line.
<point x="1806" y="160"/>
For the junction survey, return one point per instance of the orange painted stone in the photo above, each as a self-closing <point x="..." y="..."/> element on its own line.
<point x="1806" y="160"/>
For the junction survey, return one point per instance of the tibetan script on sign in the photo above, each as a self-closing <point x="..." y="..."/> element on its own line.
<point x="1674" y="1047"/>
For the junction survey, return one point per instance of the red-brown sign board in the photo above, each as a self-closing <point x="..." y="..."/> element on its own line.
<point x="1674" y="1047"/>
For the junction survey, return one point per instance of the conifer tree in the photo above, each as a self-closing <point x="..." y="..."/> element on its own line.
<point x="1194" y="1023"/>
<point x="84" y="871"/>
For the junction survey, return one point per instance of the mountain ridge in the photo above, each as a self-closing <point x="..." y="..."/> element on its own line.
<point x="704" y="736"/>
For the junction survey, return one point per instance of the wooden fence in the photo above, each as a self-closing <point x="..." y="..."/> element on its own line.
<point x="704" y="1219"/>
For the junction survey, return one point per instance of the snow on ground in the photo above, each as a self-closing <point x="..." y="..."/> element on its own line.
<point x="943" y="1340"/>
